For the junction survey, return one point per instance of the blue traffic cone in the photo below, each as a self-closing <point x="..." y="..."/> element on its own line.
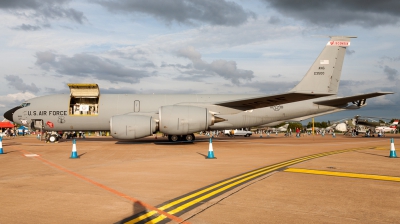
<point x="210" y="151"/>
<point x="1" y="145"/>
<point x="74" y="154"/>
<point x="392" y="149"/>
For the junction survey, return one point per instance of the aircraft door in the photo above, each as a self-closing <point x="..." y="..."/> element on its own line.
<point x="136" y="106"/>
<point x="36" y="124"/>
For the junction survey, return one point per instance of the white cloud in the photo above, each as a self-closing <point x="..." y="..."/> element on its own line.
<point x="382" y="100"/>
<point x="12" y="97"/>
<point x="226" y="69"/>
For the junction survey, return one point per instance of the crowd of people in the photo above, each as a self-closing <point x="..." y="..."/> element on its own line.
<point x="9" y="133"/>
<point x="368" y="132"/>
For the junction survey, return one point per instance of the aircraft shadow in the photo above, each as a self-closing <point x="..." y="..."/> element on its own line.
<point x="371" y="154"/>
<point x="132" y="143"/>
<point x="11" y="143"/>
<point x="173" y="143"/>
<point x="6" y="152"/>
<point x="153" y="142"/>
<point x="137" y="210"/>
<point x="89" y="139"/>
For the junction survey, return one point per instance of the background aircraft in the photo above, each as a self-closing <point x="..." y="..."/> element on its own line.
<point x="282" y="128"/>
<point x="331" y="127"/>
<point x="379" y="126"/>
<point x="390" y="128"/>
<point x="348" y="124"/>
<point x="132" y="116"/>
<point x="363" y="124"/>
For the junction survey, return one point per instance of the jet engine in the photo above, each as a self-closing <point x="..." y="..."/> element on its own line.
<point x="129" y="126"/>
<point x="183" y="120"/>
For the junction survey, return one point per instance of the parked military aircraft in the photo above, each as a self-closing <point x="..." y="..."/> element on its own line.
<point x="282" y="128"/>
<point x="377" y="125"/>
<point x="271" y="126"/>
<point x="390" y="128"/>
<point x="331" y="127"/>
<point x="352" y="124"/>
<point x="362" y="124"/>
<point x="131" y="116"/>
<point x="368" y="121"/>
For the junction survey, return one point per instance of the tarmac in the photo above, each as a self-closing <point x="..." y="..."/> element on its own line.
<point x="276" y="179"/>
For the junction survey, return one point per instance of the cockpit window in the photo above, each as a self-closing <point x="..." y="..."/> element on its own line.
<point x="25" y="104"/>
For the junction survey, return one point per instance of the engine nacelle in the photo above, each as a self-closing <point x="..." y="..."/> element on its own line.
<point x="132" y="126"/>
<point x="183" y="120"/>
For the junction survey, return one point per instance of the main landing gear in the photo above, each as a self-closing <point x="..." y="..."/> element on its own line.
<point x="52" y="138"/>
<point x="176" y="138"/>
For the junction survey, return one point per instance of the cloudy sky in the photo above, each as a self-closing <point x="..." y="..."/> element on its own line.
<point x="195" y="47"/>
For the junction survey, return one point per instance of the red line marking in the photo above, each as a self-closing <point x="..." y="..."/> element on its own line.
<point x="172" y="217"/>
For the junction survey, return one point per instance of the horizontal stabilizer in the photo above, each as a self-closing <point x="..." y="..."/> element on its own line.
<point x="344" y="100"/>
<point x="267" y="101"/>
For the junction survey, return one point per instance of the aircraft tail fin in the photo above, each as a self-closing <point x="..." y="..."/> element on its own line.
<point x="324" y="75"/>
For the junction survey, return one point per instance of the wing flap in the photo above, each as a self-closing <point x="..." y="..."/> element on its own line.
<point x="344" y="100"/>
<point x="267" y="101"/>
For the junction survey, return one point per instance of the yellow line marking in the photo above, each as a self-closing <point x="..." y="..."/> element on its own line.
<point x="382" y="148"/>
<point x="343" y="174"/>
<point x="249" y="175"/>
<point x="140" y="218"/>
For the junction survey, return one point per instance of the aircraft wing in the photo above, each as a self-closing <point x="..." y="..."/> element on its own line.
<point x="344" y="100"/>
<point x="316" y="115"/>
<point x="267" y="101"/>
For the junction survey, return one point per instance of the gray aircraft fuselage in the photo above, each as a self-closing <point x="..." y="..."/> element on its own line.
<point x="55" y="109"/>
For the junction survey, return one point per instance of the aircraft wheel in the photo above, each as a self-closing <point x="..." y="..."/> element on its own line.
<point x="173" y="138"/>
<point x="189" y="138"/>
<point x="53" y="138"/>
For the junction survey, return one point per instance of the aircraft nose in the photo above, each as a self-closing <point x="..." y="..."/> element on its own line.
<point x="9" y="114"/>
